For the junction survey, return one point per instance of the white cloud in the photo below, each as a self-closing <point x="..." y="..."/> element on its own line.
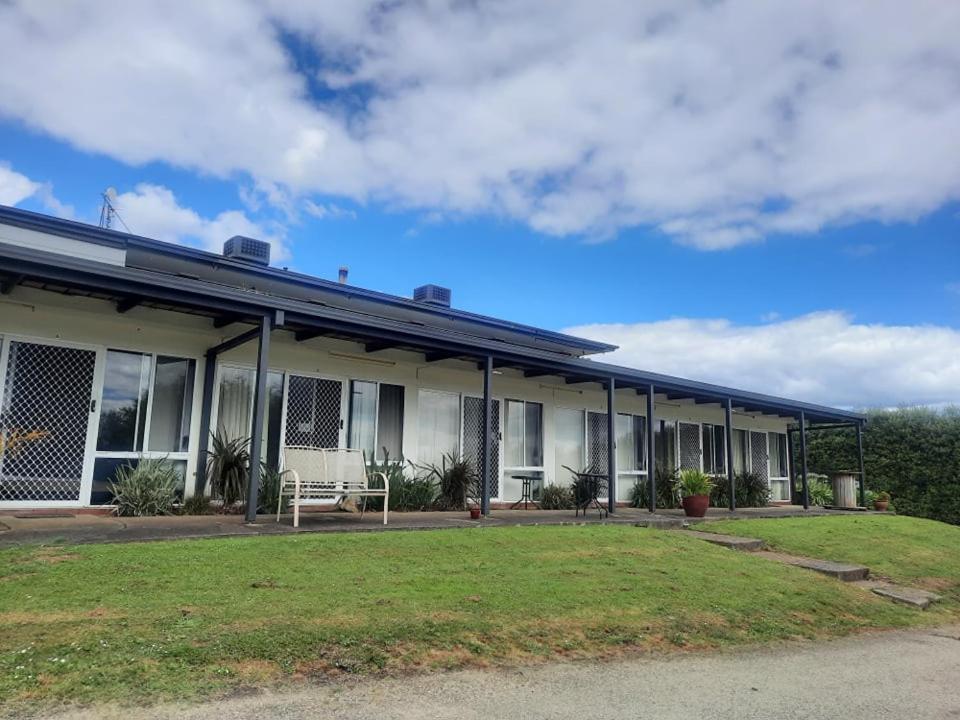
<point x="821" y="357"/>
<point x="328" y="211"/>
<point x="14" y="187"/>
<point x="718" y="123"/>
<point x="153" y="211"/>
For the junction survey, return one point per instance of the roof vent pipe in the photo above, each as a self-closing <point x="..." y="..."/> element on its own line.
<point x="342" y="279"/>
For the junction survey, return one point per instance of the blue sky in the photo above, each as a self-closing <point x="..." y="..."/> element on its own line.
<point x="903" y="273"/>
<point x="645" y="175"/>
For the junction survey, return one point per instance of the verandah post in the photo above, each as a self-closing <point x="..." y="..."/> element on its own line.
<point x="863" y="474"/>
<point x="259" y="401"/>
<point x="803" y="461"/>
<point x="486" y="454"/>
<point x="611" y="446"/>
<point x="728" y="439"/>
<point x="651" y="453"/>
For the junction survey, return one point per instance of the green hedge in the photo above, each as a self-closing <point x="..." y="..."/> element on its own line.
<point x="912" y="453"/>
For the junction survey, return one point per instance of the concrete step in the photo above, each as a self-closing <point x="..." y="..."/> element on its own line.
<point x="840" y="571"/>
<point x="914" y="597"/>
<point x="732" y="542"/>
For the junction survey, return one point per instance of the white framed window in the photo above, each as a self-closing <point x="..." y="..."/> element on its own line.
<point x="145" y="412"/>
<point x="665" y="445"/>
<point x="570" y="442"/>
<point x="714" y="449"/>
<point x="741" y="451"/>
<point x="631" y="444"/>
<point x="777" y="449"/>
<point x="235" y="409"/>
<point x="523" y="440"/>
<point x="376" y="419"/>
<point x="438" y="426"/>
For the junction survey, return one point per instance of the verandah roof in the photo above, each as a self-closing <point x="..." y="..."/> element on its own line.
<point x="129" y="287"/>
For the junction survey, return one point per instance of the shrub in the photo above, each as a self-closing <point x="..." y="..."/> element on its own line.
<point x="694" y="482"/>
<point x="557" y="497"/>
<point x="196" y="504"/>
<point x="821" y="491"/>
<point x="228" y="469"/>
<point x="882" y="496"/>
<point x="270" y="481"/>
<point x="750" y="490"/>
<point x="407" y="491"/>
<point x="457" y="481"/>
<point x="912" y="453"/>
<point x="149" y="488"/>
<point x="666" y="482"/>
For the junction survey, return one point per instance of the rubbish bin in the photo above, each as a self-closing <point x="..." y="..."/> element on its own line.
<point x="844" y="490"/>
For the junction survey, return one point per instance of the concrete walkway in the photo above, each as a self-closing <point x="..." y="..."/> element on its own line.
<point x="891" y="675"/>
<point x="81" y="528"/>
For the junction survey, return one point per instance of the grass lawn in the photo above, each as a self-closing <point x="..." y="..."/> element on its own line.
<point x="195" y="618"/>
<point x="912" y="551"/>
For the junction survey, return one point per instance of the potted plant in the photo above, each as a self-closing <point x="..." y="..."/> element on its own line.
<point x="882" y="501"/>
<point x="695" y="492"/>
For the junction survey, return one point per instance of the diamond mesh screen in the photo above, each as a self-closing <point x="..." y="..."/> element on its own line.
<point x="46" y="389"/>
<point x="597" y="448"/>
<point x="689" y="446"/>
<point x="758" y="454"/>
<point x="313" y="412"/>
<point x="473" y="437"/>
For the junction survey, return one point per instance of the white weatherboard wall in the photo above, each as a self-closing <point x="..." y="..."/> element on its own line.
<point x="34" y="314"/>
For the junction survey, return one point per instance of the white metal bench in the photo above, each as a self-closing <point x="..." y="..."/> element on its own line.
<point x="320" y="473"/>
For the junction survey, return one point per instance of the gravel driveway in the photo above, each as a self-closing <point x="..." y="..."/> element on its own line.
<point x="889" y="675"/>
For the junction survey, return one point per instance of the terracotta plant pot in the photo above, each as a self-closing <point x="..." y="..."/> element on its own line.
<point x="881" y="505"/>
<point x="696" y="505"/>
<point x="474" y="513"/>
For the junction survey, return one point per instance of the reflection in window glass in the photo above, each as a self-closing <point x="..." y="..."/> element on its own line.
<point x="665" y="445"/>
<point x="714" y="460"/>
<point x="533" y="434"/>
<point x="363" y="414"/>
<point x="390" y="421"/>
<point x="739" y="451"/>
<point x="124" y="405"/>
<point x="105" y="472"/>
<point x="631" y="443"/>
<point x="172" y="400"/>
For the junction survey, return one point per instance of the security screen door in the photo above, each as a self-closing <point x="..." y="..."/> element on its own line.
<point x="473" y="437"/>
<point x="690" y="452"/>
<point x="47" y="390"/>
<point x="314" y="412"/>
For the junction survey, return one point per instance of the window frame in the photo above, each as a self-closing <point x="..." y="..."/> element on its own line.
<point x="523" y="437"/>
<point x="378" y="385"/>
<point x="179" y="457"/>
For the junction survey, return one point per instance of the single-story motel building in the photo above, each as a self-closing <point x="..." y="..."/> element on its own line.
<point x="118" y="347"/>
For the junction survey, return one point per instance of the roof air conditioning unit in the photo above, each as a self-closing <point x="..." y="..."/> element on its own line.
<point x="432" y="295"/>
<point x="248" y="249"/>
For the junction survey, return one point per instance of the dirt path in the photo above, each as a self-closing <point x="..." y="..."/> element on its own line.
<point x="887" y="675"/>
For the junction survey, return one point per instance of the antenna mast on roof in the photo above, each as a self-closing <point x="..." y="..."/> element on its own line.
<point x="108" y="212"/>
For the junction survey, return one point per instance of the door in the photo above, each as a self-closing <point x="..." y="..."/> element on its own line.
<point x="314" y="412"/>
<point x="45" y="417"/>
<point x="690" y="452"/>
<point x="473" y="437"/>
<point x="758" y="455"/>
